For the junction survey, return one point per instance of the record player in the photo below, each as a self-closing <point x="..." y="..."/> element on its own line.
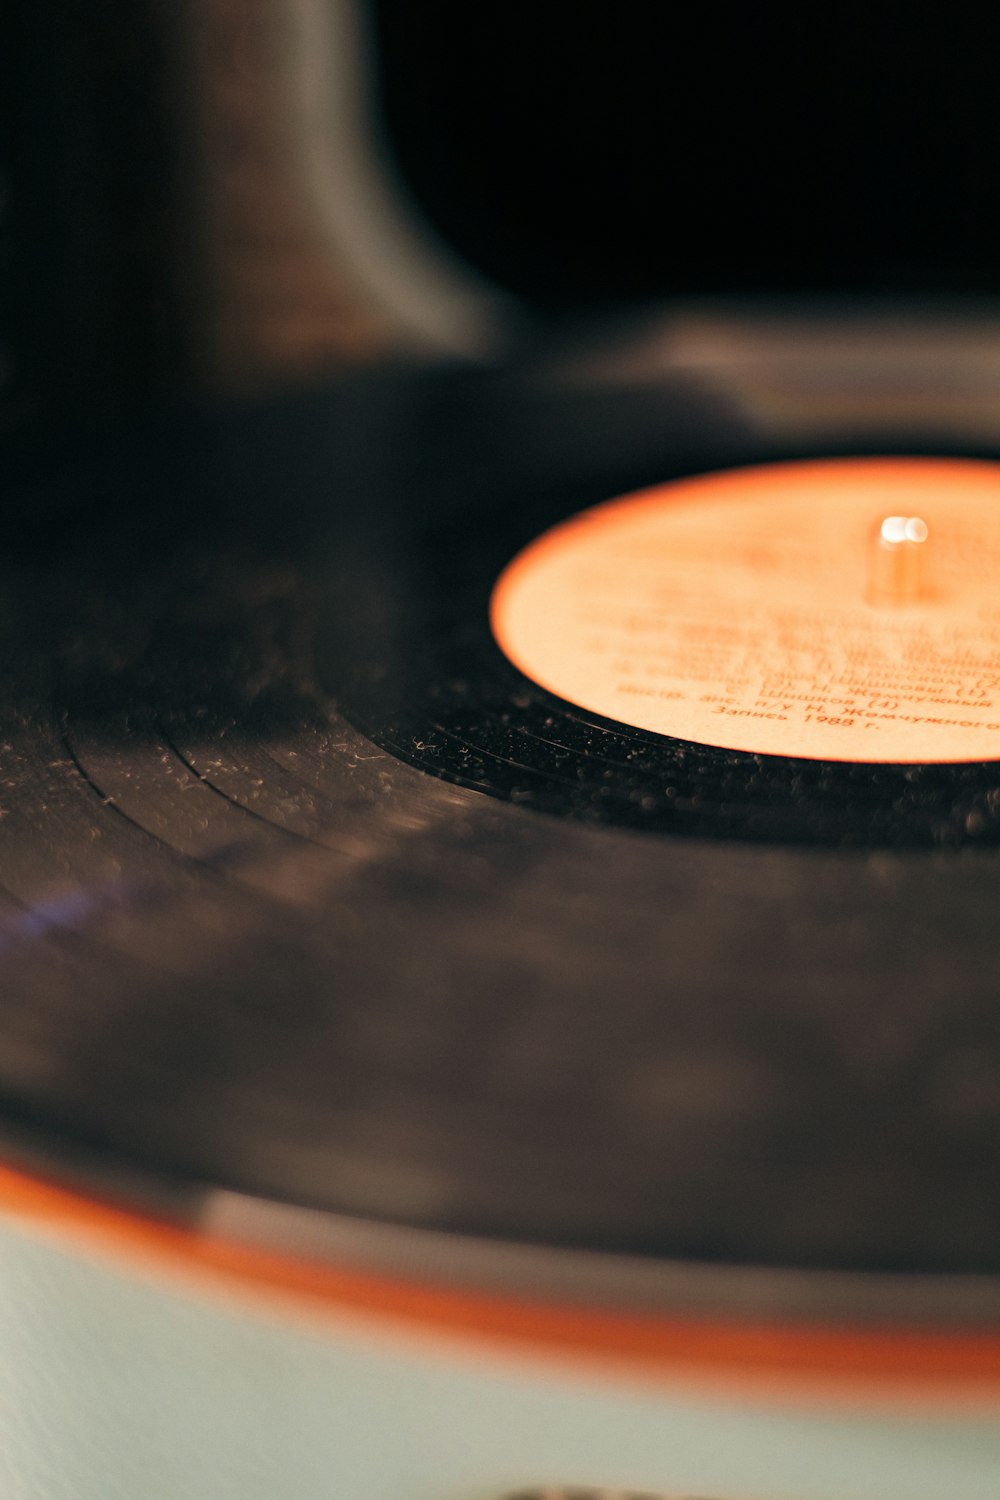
<point x="498" y="790"/>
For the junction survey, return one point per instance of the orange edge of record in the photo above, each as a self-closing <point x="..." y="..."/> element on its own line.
<point x="756" y="1357"/>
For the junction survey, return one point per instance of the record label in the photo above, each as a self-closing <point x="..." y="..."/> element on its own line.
<point x="838" y="610"/>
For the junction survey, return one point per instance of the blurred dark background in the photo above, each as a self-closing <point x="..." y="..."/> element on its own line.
<point x="160" y="233"/>
<point x="585" y="152"/>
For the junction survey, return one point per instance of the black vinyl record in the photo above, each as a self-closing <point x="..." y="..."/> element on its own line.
<point x="307" y="895"/>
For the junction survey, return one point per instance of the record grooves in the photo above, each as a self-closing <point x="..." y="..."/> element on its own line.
<point x="250" y="945"/>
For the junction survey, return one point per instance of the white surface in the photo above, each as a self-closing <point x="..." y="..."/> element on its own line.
<point x="112" y="1386"/>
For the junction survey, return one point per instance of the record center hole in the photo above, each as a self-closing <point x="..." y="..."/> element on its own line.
<point x="896" y="571"/>
<point x="896" y="530"/>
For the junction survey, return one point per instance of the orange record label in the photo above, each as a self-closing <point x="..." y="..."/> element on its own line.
<point x="844" y="610"/>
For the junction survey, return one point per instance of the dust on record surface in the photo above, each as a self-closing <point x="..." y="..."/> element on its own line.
<point x="247" y="944"/>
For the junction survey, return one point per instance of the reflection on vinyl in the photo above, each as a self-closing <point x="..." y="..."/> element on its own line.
<point x="310" y="893"/>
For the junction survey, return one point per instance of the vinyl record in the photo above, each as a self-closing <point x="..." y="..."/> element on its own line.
<point x="309" y="895"/>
